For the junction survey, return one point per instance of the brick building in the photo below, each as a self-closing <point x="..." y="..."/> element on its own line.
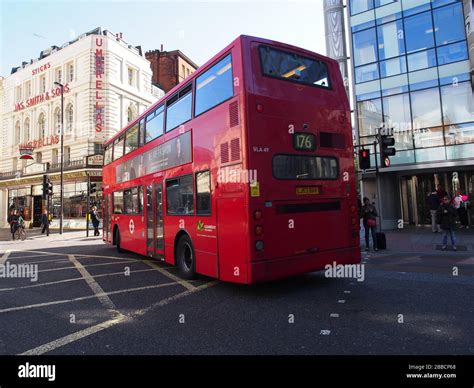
<point x="169" y="68"/>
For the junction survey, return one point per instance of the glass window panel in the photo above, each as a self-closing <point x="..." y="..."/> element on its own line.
<point x="154" y="124"/>
<point x="454" y="72"/>
<point x="379" y="3"/>
<point x="458" y="105"/>
<point x="419" y="32"/>
<point x="367" y="73"/>
<point x="421" y="60"/>
<point x="452" y="53"/>
<point x="365" y="47"/>
<point x="203" y="192"/>
<point x="460" y="151"/>
<point x="423" y="79"/>
<point x="426" y="108"/>
<point x="393" y="85"/>
<point x="410" y="7"/>
<point x="214" y="86"/>
<point x="439" y="3"/>
<point x="389" y="12"/>
<point x="359" y="6"/>
<point x="368" y="87"/>
<point x="370" y="117"/>
<point x="131" y="139"/>
<point x="430" y="154"/>
<point x="393" y="67"/>
<point x="428" y="137"/>
<point x="390" y="40"/>
<point x="179" y="111"/>
<point x="449" y="24"/>
<point x="403" y="157"/>
<point x="118" y="202"/>
<point x="397" y="115"/>
<point x="118" y="147"/>
<point x="459" y="133"/>
<point x="362" y="21"/>
<point x="303" y="167"/>
<point x="180" y="195"/>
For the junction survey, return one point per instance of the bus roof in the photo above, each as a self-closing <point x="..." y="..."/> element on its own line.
<point x="203" y="68"/>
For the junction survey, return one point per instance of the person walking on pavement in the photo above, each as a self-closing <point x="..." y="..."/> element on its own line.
<point x="368" y="215"/>
<point x="446" y="217"/>
<point x="95" y="220"/>
<point x="11" y="221"/>
<point x="44" y="221"/>
<point x="460" y="203"/>
<point x="441" y="194"/>
<point x="433" y="204"/>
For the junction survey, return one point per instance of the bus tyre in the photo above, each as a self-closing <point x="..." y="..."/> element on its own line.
<point x="185" y="258"/>
<point x="117" y="240"/>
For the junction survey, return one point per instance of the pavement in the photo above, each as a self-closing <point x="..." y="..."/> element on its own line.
<point x="90" y="300"/>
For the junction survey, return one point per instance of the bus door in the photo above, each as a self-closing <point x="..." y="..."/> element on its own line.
<point x="154" y="220"/>
<point x="107" y="215"/>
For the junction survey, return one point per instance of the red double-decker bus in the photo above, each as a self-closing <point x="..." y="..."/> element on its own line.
<point x="243" y="172"/>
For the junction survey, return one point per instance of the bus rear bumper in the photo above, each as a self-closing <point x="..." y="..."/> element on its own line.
<point x="266" y="270"/>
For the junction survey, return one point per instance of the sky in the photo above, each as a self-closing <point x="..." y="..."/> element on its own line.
<point x="198" y="28"/>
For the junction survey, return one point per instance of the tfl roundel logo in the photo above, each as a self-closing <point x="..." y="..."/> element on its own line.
<point x="131" y="226"/>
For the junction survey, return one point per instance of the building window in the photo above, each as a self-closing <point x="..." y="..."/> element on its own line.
<point x="426" y="108"/>
<point x="452" y="53"/>
<point x="203" y="192"/>
<point x="394" y="66"/>
<point x="458" y="104"/>
<point x="214" y="86"/>
<point x="70" y="72"/>
<point x="421" y="60"/>
<point x="419" y="32"/>
<point x="365" y="47"/>
<point x="391" y="40"/>
<point x="42" y="83"/>
<point x="180" y="195"/>
<point x="370" y="116"/>
<point x="131" y="113"/>
<point x="57" y="121"/>
<point x="55" y="155"/>
<point x="183" y="71"/>
<point x="358" y="6"/>
<point x="449" y="24"/>
<point x="132" y="76"/>
<point x="58" y="75"/>
<point x="39" y="157"/>
<point x="67" y="154"/>
<point x="397" y="115"/>
<point x="28" y="89"/>
<point x="366" y="73"/>
<point x="27" y="129"/>
<point x="17" y="132"/>
<point x="18" y="93"/>
<point x="188" y="72"/>
<point x="69" y="118"/>
<point x="41" y="126"/>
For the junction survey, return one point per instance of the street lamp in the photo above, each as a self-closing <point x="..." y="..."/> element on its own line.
<point x="61" y="195"/>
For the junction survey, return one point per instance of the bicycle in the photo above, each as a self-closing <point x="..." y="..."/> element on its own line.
<point x="20" y="233"/>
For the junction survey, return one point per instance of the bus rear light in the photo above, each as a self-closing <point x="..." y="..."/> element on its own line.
<point x="259" y="245"/>
<point x="259" y="230"/>
<point x="257" y="215"/>
<point x="259" y="108"/>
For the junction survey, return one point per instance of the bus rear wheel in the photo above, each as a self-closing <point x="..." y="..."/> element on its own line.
<point x="185" y="258"/>
<point x="117" y="241"/>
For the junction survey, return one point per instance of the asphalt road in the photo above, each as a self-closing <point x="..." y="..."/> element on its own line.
<point x="88" y="299"/>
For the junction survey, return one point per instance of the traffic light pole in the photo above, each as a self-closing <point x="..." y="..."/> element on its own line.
<point x="377" y="186"/>
<point x="88" y="203"/>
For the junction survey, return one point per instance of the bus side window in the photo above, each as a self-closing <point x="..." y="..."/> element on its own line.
<point x="203" y="193"/>
<point x="118" y="202"/>
<point x="180" y="196"/>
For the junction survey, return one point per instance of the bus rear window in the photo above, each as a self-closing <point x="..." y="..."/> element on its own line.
<point x="302" y="167"/>
<point x="294" y="67"/>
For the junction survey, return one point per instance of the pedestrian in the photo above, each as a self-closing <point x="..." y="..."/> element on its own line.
<point x="369" y="218"/>
<point x="446" y="217"/>
<point x="44" y="221"/>
<point x="95" y="220"/>
<point x="10" y="219"/>
<point x="461" y="204"/>
<point x="433" y="204"/>
<point x="441" y="194"/>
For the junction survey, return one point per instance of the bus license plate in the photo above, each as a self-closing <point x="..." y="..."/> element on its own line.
<point x="307" y="190"/>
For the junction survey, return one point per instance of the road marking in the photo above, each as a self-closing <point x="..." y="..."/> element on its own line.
<point x="4" y="257"/>
<point x="347" y="292"/>
<point x="84" y="255"/>
<point x="94" y="286"/>
<point x="74" y="337"/>
<point x="325" y="332"/>
<point x="334" y="315"/>
<point x="27" y="256"/>
<point x="42" y="261"/>
<point x="63" y="301"/>
<point x="74" y="279"/>
<point x="177" y="279"/>
<point x="87" y="265"/>
<point x="341" y="301"/>
<point x="42" y="349"/>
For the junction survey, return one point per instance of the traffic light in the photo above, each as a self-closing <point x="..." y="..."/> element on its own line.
<point x="386" y="150"/>
<point x="93" y="188"/>
<point x="50" y="188"/>
<point x="364" y="159"/>
<point x="45" y="186"/>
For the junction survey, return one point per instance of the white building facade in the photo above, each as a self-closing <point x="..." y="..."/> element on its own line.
<point x="106" y="83"/>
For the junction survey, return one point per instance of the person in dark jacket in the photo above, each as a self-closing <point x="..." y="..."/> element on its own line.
<point x="433" y="205"/>
<point x="10" y="220"/>
<point x="446" y="218"/>
<point x="44" y="221"/>
<point x="369" y="217"/>
<point x="95" y="220"/>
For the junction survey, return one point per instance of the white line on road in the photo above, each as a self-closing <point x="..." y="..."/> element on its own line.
<point x="45" y="304"/>
<point x="177" y="279"/>
<point x="94" y="286"/>
<point x="87" y="265"/>
<point x="341" y="301"/>
<point x="107" y="324"/>
<point x="334" y="315"/>
<point x="4" y="257"/>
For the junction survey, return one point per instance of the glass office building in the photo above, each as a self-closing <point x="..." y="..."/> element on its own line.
<point x="412" y="72"/>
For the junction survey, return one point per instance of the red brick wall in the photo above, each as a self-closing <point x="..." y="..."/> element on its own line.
<point x="163" y="67"/>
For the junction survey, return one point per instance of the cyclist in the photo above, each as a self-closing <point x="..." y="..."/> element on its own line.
<point x="17" y="222"/>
